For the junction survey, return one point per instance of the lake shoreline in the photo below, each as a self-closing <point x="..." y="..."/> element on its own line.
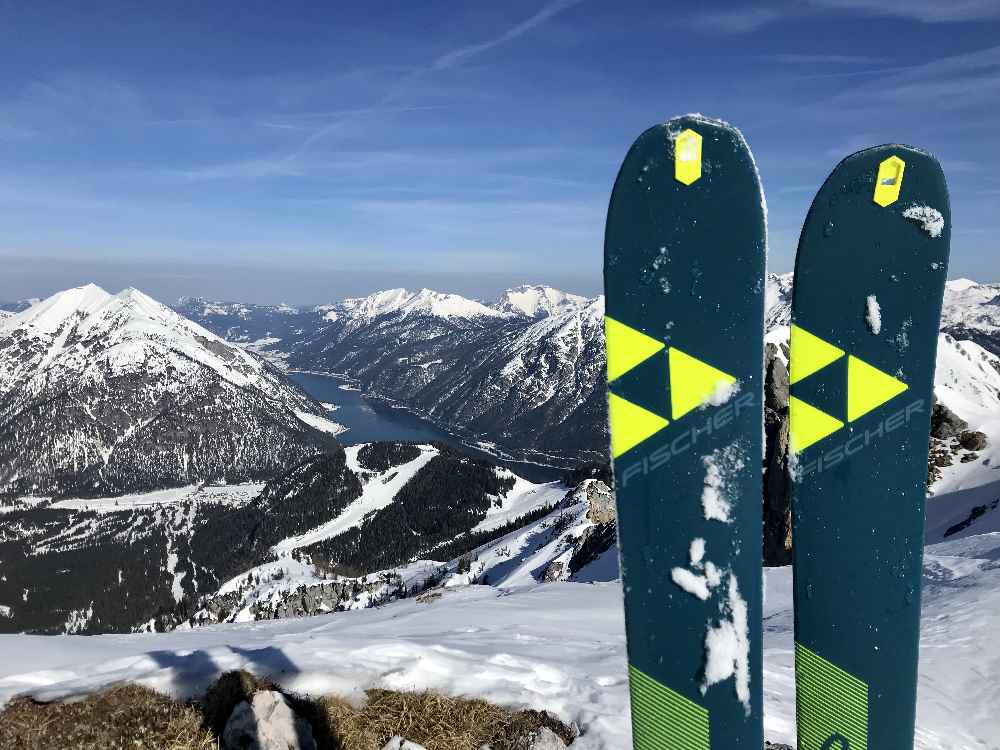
<point x="386" y="408"/>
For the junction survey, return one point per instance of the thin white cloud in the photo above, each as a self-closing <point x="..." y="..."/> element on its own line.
<point x="737" y="21"/>
<point x="928" y="11"/>
<point x="463" y="54"/>
<point x="807" y="59"/>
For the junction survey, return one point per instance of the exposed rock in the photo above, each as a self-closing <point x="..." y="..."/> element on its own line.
<point x="565" y="734"/>
<point x="593" y="543"/>
<point x="554" y="571"/>
<point x="601" y="502"/>
<point x="972" y="441"/>
<point x="546" y="739"/>
<point x="940" y="454"/>
<point x="945" y="423"/>
<point x="267" y="723"/>
<point x="776" y="746"/>
<point x="777" y="482"/>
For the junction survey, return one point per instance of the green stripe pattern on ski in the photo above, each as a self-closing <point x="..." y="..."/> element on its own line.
<point x="684" y="283"/>
<point x="662" y="718"/>
<point x="869" y="280"/>
<point x="830" y="703"/>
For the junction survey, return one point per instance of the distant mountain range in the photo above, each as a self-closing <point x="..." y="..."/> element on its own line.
<point x="105" y="394"/>
<point x="108" y="399"/>
<point x="523" y="373"/>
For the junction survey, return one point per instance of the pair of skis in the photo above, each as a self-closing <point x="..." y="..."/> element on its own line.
<point x="684" y="270"/>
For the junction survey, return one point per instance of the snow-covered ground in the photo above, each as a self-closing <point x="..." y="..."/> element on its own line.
<point x="558" y="646"/>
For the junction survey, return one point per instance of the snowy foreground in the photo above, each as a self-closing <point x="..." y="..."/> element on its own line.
<point x="558" y="646"/>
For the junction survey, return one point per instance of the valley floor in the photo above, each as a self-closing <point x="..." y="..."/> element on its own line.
<point x="557" y="646"/>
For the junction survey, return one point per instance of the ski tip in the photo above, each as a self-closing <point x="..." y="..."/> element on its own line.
<point x="892" y="174"/>
<point x="682" y="138"/>
<point x="696" y="121"/>
<point x="893" y="160"/>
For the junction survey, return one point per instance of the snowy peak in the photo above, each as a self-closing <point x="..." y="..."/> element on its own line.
<point x="114" y="393"/>
<point x="403" y="303"/>
<point x="777" y="300"/>
<point x="960" y="285"/>
<point x="51" y="314"/>
<point x="537" y="301"/>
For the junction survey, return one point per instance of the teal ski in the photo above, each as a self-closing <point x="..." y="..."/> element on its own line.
<point x="684" y="275"/>
<point x="869" y="280"/>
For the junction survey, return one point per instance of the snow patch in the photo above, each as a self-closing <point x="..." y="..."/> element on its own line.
<point x="697" y="552"/>
<point x="873" y="315"/>
<point x="691" y="582"/>
<point x="930" y="219"/>
<point x="320" y="423"/>
<point x="721" y="466"/>
<point x="722" y="393"/>
<point x="727" y="647"/>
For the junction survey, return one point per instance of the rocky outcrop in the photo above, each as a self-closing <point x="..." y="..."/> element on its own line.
<point x="950" y="440"/>
<point x="267" y="722"/>
<point x="945" y="423"/>
<point x="600" y="501"/>
<point x="777" y="481"/>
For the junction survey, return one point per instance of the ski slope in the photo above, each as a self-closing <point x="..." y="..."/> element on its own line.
<point x="558" y="646"/>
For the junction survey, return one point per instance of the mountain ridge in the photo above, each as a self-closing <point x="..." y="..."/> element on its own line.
<point x="105" y="394"/>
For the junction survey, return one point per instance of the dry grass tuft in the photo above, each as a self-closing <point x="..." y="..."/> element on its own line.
<point x="438" y="722"/>
<point x="131" y="716"/>
<point x="127" y="716"/>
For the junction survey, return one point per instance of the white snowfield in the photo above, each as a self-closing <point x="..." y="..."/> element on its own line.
<point x="557" y="646"/>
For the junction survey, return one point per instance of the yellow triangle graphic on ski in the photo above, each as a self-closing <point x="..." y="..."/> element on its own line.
<point x="692" y="382"/>
<point x="808" y="354"/>
<point x="626" y="347"/>
<point x="868" y="387"/>
<point x="808" y="425"/>
<point x="630" y="424"/>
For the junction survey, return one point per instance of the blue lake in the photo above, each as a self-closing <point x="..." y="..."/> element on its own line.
<point x="369" y="421"/>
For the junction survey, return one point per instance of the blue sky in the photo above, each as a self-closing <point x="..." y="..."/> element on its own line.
<point x="305" y="152"/>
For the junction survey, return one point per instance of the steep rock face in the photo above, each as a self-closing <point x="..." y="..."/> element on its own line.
<point x="777" y="482"/>
<point x="106" y="394"/>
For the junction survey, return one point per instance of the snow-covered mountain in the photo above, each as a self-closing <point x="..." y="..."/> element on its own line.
<point x="403" y="304"/>
<point x="104" y="394"/>
<point x="538" y="301"/>
<point x="529" y="385"/>
<point x="524" y="376"/>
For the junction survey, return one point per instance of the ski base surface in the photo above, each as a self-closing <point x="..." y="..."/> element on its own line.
<point x="684" y="282"/>
<point x="869" y="280"/>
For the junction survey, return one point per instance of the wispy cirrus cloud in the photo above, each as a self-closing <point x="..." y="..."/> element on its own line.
<point x="737" y="20"/>
<point x="464" y="54"/>
<point x="747" y="20"/>
<point x="810" y="59"/>
<point x="928" y="11"/>
<point x="948" y="83"/>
